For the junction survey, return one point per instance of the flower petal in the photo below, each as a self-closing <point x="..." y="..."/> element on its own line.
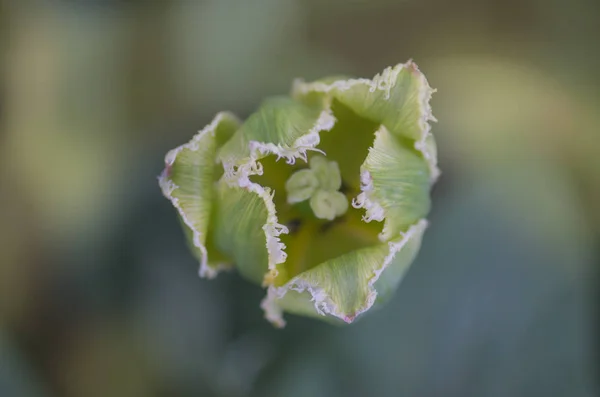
<point x="188" y="181"/>
<point x="395" y="185"/>
<point x="346" y="286"/>
<point x="281" y="126"/>
<point x="398" y="98"/>
<point x="243" y="221"/>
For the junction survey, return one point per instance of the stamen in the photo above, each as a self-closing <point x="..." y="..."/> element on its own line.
<point x="327" y="172"/>
<point x="320" y="184"/>
<point x="301" y="186"/>
<point x="328" y="204"/>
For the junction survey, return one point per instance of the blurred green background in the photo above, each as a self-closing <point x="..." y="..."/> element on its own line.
<point x="100" y="297"/>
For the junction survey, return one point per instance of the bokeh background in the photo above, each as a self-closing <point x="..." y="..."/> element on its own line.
<point x="100" y="297"/>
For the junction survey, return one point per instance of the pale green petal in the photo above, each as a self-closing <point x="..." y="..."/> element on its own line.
<point x="188" y="181"/>
<point x="391" y="276"/>
<point x="240" y="228"/>
<point x="300" y="186"/>
<point x="395" y="185"/>
<point x="346" y="286"/>
<point x="398" y="98"/>
<point x="281" y="126"/>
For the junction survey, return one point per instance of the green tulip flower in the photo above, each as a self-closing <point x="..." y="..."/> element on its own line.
<point x="328" y="236"/>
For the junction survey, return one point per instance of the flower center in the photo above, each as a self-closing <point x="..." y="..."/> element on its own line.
<point x="320" y="184"/>
<point x="313" y="201"/>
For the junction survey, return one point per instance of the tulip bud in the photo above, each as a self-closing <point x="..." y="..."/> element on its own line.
<point x="270" y="196"/>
